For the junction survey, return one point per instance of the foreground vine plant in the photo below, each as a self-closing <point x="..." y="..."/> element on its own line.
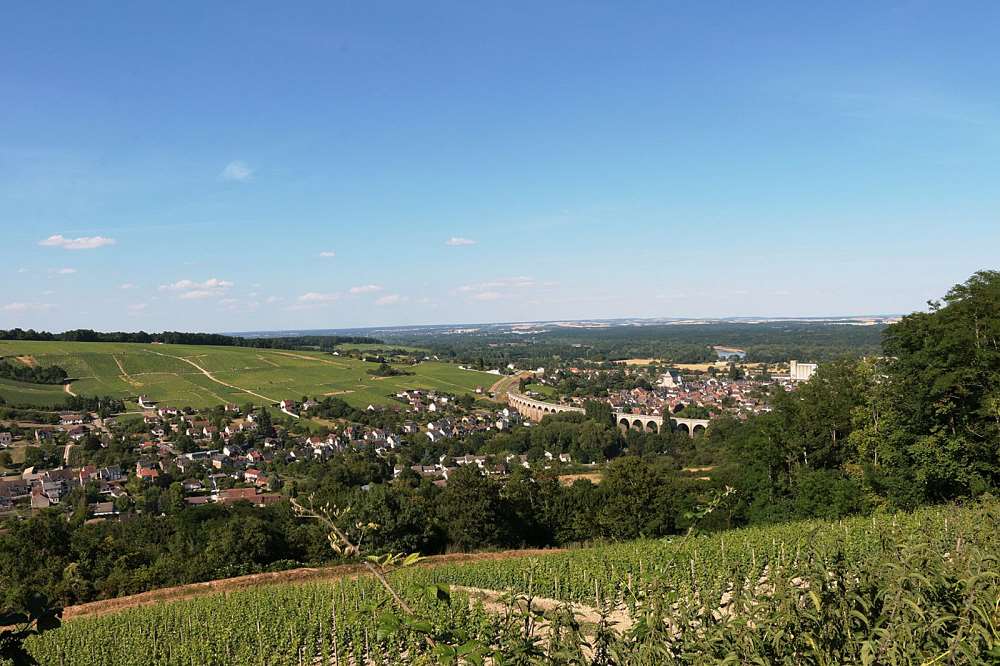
<point x="895" y="589"/>
<point x="381" y="566"/>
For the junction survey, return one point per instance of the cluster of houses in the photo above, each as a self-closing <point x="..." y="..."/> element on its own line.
<point x="673" y="392"/>
<point x="223" y="467"/>
<point x="489" y="465"/>
<point x="45" y="488"/>
<point x="425" y="401"/>
<point x="72" y="426"/>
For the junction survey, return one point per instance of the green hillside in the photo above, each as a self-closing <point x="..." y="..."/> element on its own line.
<point x="43" y="395"/>
<point x="176" y="374"/>
<point x="908" y="587"/>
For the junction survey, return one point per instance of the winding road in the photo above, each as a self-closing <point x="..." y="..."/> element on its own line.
<point x="213" y="378"/>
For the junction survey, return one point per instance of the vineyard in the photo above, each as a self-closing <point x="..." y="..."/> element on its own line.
<point x="204" y="375"/>
<point x="894" y="588"/>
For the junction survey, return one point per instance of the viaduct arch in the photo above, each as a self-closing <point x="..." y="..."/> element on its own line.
<point x="538" y="409"/>
<point x="652" y="423"/>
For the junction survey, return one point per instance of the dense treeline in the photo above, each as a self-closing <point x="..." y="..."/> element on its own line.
<point x="37" y="374"/>
<point x="327" y="342"/>
<point x="918" y="425"/>
<point x="170" y="544"/>
<point x="768" y="342"/>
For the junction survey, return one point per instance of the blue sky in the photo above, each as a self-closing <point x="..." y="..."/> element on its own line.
<point x="236" y="166"/>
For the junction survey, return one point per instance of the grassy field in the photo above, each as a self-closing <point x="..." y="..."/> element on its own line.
<point x="36" y="394"/>
<point x="176" y="374"/>
<point x="377" y="347"/>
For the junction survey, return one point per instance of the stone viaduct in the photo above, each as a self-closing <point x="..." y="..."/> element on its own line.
<point x="536" y="410"/>
<point x="651" y="423"/>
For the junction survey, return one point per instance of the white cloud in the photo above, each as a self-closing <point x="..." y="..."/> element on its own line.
<point x="197" y="294"/>
<point x="456" y="241"/>
<point x="137" y="307"/>
<point x="488" y="296"/>
<point x="127" y="285"/>
<point x="237" y="170"/>
<point x="82" y="243"/>
<point x="272" y="299"/>
<point x="366" y="289"/>
<point x="328" y="254"/>
<point x="188" y="285"/>
<point x="25" y="307"/>
<point x="64" y="271"/>
<point x="520" y="282"/>
<point x="192" y="290"/>
<point x="316" y="297"/>
<point x="388" y="299"/>
<point x="240" y="304"/>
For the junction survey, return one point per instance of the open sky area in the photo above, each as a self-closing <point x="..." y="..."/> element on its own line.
<point x="240" y="166"/>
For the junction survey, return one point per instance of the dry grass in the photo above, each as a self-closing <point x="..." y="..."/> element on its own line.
<point x="570" y="479"/>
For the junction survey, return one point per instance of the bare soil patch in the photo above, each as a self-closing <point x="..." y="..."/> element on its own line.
<point x="29" y="361"/>
<point x="495" y="602"/>
<point x="570" y="479"/>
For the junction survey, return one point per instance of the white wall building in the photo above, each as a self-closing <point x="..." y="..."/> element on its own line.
<point x="800" y="372"/>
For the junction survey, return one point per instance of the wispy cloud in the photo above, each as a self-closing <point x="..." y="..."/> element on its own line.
<point x="127" y="285"/>
<point x="318" y="297"/>
<point x="389" y="299"/>
<point x="893" y="104"/>
<point x="240" y="304"/>
<point x="64" y="271"/>
<point x="236" y="170"/>
<point x="502" y="288"/>
<point x="457" y="241"/>
<point x="366" y="289"/>
<point x="82" y="243"/>
<point x="329" y="254"/>
<point x="314" y="299"/>
<point x="137" y="307"/>
<point x="25" y="307"/>
<point x="192" y="290"/>
<point x="520" y="282"/>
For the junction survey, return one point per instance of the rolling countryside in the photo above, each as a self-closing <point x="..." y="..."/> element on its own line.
<point x="203" y="376"/>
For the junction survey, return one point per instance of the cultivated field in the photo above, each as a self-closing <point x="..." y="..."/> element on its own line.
<point x="200" y="376"/>
<point x="908" y="587"/>
<point x="42" y="395"/>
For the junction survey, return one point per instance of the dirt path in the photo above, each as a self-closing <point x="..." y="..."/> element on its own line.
<point x="68" y="388"/>
<point x="210" y="376"/>
<point x="505" y="384"/>
<point x="302" y="575"/>
<point x="312" y="358"/>
<point x="494" y="602"/>
<point x="66" y="451"/>
<point x="128" y="379"/>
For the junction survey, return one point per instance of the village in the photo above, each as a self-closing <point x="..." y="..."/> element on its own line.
<point x="240" y="453"/>
<point x="640" y="389"/>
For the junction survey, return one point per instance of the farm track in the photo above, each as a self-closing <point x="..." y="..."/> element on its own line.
<point x="291" y="576"/>
<point x="312" y="358"/>
<point x="69" y="389"/>
<point x="212" y="377"/>
<point x="495" y="602"/>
